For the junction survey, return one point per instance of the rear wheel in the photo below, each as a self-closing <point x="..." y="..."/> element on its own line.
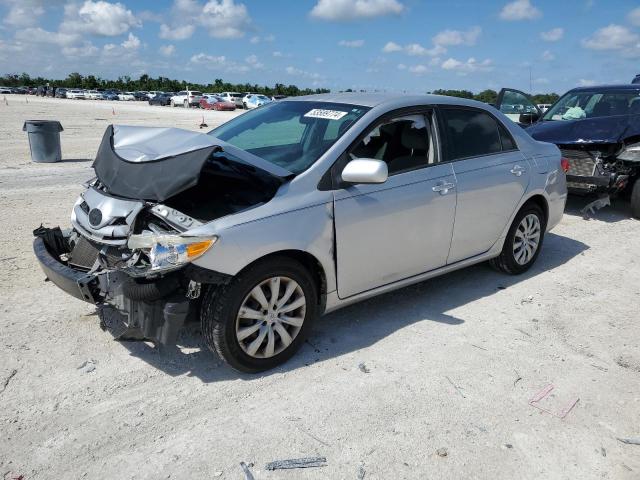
<point x="523" y="242"/>
<point x="262" y="317"/>
<point x="635" y="199"/>
<point x="173" y="104"/>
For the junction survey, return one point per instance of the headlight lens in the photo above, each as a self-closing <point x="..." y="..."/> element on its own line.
<point x="631" y="153"/>
<point x="170" y="251"/>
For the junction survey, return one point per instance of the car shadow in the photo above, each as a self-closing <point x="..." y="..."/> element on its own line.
<point x="620" y="209"/>
<point x="76" y="160"/>
<point x="363" y="324"/>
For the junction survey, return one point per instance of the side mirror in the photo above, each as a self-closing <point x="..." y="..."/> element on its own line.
<point x="365" y="170"/>
<point x="528" y="118"/>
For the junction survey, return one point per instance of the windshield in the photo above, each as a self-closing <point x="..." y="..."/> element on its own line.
<point x="292" y="135"/>
<point x="580" y="104"/>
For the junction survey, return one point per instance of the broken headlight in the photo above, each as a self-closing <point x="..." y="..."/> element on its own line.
<point x="166" y="251"/>
<point x="631" y="153"/>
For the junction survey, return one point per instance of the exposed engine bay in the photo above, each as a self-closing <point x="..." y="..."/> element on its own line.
<point x="129" y="247"/>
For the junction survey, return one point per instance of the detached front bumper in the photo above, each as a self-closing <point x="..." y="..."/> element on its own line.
<point x="76" y="283"/>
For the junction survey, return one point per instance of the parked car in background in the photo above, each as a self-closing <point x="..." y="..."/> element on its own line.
<point x="234" y="97"/>
<point x="153" y="93"/>
<point x="126" y="96"/>
<point x="636" y="79"/>
<point x="255" y="100"/>
<point x="544" y="107"/>
<point x="298" y="208"/>
<point x="94" y="95"/>
<point x="160" y="99"/>
<point x="61" y="92"/>
<point x="141" y="96"/>
<point x="278" y="97"/>
<point x="6" y="91"/>
<point x="214" y="102"/>
<point x="75" y="94"/>
<point x="111" y="95"/>
<point x="597" y="129"/>
<point x="186" y="98"/>
<point x="19" y="90"/>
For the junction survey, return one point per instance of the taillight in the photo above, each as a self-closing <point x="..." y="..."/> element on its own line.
<point x="564" y="164"/>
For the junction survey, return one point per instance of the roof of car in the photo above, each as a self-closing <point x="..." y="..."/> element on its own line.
<point x="389" y="99"/>
<point x="625" y="86"/>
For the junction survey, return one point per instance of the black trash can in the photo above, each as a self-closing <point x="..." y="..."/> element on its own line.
<point x="44" y="140"/>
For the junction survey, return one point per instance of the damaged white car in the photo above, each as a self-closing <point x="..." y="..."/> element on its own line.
<point x="298" y="208"/>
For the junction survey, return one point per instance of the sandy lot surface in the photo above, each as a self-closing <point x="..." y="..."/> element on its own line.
<point x="449" y="365"/>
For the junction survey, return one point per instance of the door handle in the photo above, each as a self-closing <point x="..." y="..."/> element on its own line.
<point x="443" y="187"/>
<point x="518" y="170"/>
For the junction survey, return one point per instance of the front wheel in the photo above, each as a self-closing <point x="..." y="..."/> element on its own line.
<point x="173" y="104"/>
<point x="523" y="242"/>
<point x="262" y="317"/>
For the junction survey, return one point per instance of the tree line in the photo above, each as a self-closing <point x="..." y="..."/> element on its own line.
<point x="147" y="83"/>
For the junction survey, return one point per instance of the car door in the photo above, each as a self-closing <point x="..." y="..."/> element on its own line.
<point x="491" y="175"/>
<point x="518" y="106"/>
<point x="400" y="228"/>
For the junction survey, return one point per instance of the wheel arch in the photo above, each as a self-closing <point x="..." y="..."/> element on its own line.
<point x="308" y="261"/>
<point x="539" y="200"/>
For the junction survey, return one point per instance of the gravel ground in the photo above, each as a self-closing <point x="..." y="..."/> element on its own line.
<point x="431" y="381"/>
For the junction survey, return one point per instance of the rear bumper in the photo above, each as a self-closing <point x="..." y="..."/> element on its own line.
<point x="76" y="283"/>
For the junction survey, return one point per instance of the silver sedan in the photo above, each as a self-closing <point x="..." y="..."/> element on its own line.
<point x="296" y="209"/>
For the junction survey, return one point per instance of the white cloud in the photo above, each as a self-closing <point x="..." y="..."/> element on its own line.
<point x="586" y="83"/>
<point x="547" y="56"/>
<point x="342" y="10"/>
<point x="253" y="61"/>
<point x="98" y="18"/>
<point x="178" y="33"/>
<point x="23" y="13"/>
<point x="634" y="17"/>
<point x="39" y="35"/>
<point x="351" y="43"/>
<point x="319" y="59"/>
<point x="612" y="37"/>
<point x="203" y="58"/>
<point x="132" y="42"/>
<point x="278" y="54"/>
<point x="391" y="47"/>
<point x="470" y="66"/>
<point x="449" y="38"/>
<point x="553" y="35"/>
<point x="258" y="39"/>
<point x="167" y="50"/>
<point x="221" y="18"/>
<point x="418" y="69"/>
<point x="225" y="18"/>
<point x="302" y="73"/>
<point x="520" y="10"/>
<point x="402" y="66"/>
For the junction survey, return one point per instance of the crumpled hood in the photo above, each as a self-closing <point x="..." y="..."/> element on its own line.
<point x="153" y="163"/>
<point x="586" y="131"/>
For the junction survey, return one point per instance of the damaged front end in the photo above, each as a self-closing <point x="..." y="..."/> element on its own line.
<point x="129" y="248"/>
<point x="600" y="169"/>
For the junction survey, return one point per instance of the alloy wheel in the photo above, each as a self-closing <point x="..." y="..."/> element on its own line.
<point x="526" y="239"/>
<point x="270" y="317"/>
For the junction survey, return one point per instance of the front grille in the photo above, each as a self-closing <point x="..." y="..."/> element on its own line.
<point x="581" y="163"/>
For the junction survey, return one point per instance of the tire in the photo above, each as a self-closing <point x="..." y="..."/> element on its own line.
<point x="635" y="199"/>
<point x="185" y="104"/>
<point x="244" y="106"/>
<point x="172" y="103"/>
<point x="221" y="325"/>
<point x="508" y="261"/>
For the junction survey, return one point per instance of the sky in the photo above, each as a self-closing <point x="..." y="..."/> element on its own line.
<point x="389" y="45"/>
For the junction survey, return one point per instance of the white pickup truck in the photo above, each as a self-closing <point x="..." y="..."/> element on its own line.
<point x="186" y="98"/>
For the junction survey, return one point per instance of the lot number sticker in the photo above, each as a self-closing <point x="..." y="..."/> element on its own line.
<point x="325" y="114"/>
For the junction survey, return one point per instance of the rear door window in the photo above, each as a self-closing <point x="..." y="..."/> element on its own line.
<point x="471" y="133"/>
